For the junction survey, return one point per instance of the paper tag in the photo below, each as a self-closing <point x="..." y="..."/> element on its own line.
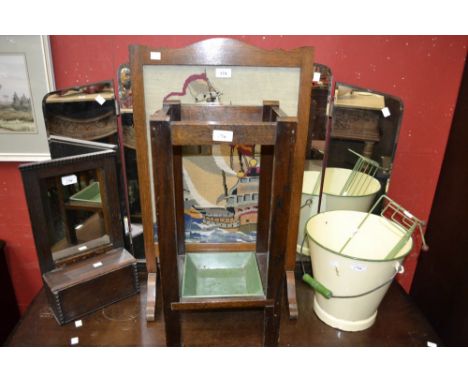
<point x="126" y="225"/>
<point x="431" y="344"/>
<point x="223" y="135"/>
<point x="100" y="99"/>
<point x="69" y="179"/>
<point x="223" y="73"/>
<point x="82" y="248"/>
<point x="155" y="55"/>
<point x="316" y="77"/>
<point x="408" y="214"/>
<point x="386" y="112"/>
<point x="98" y="264"/>
<point x="358" y="267"/>
<point x="78" y="323"/>
<point x="74" y="341"/>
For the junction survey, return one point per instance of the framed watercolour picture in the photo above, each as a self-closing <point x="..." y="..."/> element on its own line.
<point x="25" y="77"/>
<point x="16" y="109"/>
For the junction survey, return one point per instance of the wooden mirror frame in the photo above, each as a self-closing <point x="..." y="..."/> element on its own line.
<point x="219" y="52"/>
<point x="34" y="174"/>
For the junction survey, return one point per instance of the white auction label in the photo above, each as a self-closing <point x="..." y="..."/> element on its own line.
<point x="74" y="341"/>
<point x="223" y="72"/>
<point x="155" y="55"/>
<point x="69" y="179"/>
<point x="78" y="323"/>
<point x="223" y="135"/>
<point x="386" y="112"/>
<point x="98" y="264"/>
<point x="358" y="267"/>
<point x="316" y="77"/>
<point x="100" y="99"/>
<point x="82" y="248"/>
<point x="408" y="214"/>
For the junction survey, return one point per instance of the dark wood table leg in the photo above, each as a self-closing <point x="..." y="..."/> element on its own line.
<point x="151" y="296"/>
<point x="280" y="200"/>
<point x="292" y="300"/>
<point x="168" y="232"/>
<point x="271" y="323"/>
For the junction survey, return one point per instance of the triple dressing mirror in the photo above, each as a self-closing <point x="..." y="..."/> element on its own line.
<point x="354" y="146"/>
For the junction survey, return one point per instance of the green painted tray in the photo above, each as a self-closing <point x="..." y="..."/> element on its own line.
<point x="221" y="274"/>
<point x="89" y="194"/>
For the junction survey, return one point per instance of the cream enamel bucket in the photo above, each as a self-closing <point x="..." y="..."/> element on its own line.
<point x="335" y="179"/>
<point x="358" y="277"/>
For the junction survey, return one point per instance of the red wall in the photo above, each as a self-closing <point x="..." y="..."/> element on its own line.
<point x="424" y="71"/>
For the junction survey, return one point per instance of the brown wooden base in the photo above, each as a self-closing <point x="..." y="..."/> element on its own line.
<point x="84" y="287"/>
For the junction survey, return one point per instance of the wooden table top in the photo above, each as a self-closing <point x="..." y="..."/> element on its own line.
<point x="399" y="323"/>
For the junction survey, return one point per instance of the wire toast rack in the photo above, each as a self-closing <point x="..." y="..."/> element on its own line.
<point x="361" y="176"/>
<point x="406" y="222"/>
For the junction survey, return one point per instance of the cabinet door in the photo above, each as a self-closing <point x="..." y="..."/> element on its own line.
<point x="440" y="285"/>
<point x="10" y="315"/>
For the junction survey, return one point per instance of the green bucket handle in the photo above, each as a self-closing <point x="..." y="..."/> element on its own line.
<point x="327" y="293"/>
<point x="320" y="288"/>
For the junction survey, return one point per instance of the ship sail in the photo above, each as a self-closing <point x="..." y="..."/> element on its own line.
<point x="220" y="161"/>
<point x="201" y="201"/>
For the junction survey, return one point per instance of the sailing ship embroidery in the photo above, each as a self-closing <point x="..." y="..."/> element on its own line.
<point x="232" y="217"/>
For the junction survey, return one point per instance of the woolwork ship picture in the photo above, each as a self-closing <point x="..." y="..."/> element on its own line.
<point x="221" y="195"/>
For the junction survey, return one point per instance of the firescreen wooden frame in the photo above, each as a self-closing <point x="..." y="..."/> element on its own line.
<point x="219" y="52"/>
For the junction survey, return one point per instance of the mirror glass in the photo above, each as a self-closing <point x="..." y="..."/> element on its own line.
<point x="366" y="123"/>
<point x="85" y="112"/>
<point x="358" y="156"/>
<point x="319" y="104"/>
<point x="129" y="143"/>
<point x="77" y="221"/>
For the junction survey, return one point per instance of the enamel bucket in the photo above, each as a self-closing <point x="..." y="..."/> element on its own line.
<point x="357" y="276"/>
<point x="335" y="179"/>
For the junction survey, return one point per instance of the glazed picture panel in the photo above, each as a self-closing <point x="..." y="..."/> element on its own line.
<point x="233" y="85"/>
<point x="220" y="182"/>
<point x="26" y="74"/>
<point x="221" y="194"/>
<point x="16" y="108"/>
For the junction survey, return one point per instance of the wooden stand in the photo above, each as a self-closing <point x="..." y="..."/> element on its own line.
<point x="169" y="131"/>
<point x="219" y="52"/>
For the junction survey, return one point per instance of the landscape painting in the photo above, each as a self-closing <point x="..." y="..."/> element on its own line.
<point x="16" y="113"/>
